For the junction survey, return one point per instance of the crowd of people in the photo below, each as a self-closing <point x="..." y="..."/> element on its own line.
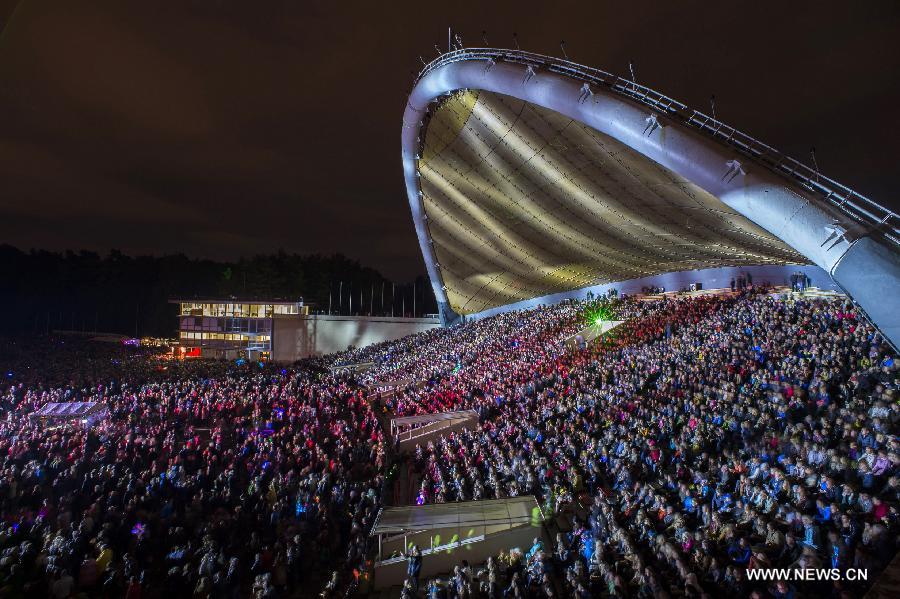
<point x="702" y="438"/>
<point x="207" y="480"/>
<point x="707" y="437"/>
<point x="442" y="368"/>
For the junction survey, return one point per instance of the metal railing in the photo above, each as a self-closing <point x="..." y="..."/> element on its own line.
<point x="868" y="213"/>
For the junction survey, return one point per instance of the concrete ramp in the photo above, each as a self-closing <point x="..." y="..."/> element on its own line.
<point x="447" y="533"/>
<point x="420" y="429"/>
<point x="359" y="368"/>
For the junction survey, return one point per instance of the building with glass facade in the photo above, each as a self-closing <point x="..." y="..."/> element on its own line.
<point x="232" y="328"/>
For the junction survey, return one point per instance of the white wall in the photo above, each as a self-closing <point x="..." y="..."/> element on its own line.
<point x="317" y="335"/>
<point x="712" y="278"/>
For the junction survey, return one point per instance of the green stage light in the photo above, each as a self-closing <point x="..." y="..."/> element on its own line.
<point x="600" y="313"/>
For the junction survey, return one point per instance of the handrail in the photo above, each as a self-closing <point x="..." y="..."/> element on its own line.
<point x="858" y="207"/>
<point x="430" y="428"/>
<point x="420" y="431"/>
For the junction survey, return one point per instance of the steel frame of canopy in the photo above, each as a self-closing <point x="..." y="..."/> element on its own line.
<point x="851" y="237"/>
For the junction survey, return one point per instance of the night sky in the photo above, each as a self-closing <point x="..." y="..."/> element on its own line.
<point x="220" y="129"/>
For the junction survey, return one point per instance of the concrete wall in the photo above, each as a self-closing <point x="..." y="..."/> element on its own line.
<point x="317" y="335"/>
<point x="435" y="430"/>
<point x="712" y="278"/>
<point x="392" y="572"/>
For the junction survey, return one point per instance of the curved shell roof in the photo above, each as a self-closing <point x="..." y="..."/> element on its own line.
<point x="522" y="201"/>
<point x="529" y="175"/>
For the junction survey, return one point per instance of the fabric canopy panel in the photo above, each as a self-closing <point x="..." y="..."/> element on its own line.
<point x="522" y="202"/>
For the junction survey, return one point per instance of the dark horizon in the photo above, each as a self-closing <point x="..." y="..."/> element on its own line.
<point x="234" y="130"/>
<point x="175" y="254"/>
<point x="43" y="291"/>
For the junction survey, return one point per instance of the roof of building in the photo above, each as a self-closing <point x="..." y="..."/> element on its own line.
<point x="236" y="300"/>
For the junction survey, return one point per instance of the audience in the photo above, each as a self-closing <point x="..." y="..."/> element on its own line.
<point x="702" y="438"/>
<point x="219" y="481"/>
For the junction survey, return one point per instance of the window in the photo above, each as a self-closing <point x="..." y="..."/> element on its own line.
<point x="287" y="309"/>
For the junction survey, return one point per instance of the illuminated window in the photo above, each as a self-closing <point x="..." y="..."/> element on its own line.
<point x="287" y="309"/>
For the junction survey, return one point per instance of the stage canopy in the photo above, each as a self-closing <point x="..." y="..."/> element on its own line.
<point x="531" y="176"/>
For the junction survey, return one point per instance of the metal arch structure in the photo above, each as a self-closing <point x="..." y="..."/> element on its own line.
<point x="851" y="237"/>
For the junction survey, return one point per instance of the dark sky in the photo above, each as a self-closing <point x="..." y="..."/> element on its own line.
<point x="220" y="128"/>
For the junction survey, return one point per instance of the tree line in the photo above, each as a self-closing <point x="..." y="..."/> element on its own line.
<point x="43" y="291"/>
